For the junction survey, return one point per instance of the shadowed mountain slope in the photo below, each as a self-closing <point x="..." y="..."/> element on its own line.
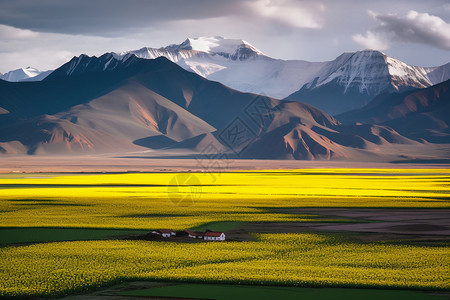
<point x="420" y="114"/>
<point x="142" y="104"/>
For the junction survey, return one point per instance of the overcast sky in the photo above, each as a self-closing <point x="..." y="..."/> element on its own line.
<point x="47" y="33"/>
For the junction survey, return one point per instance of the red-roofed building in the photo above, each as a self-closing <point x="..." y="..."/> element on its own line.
<point x="194" y="234"/>
<point x="214" y="236"/>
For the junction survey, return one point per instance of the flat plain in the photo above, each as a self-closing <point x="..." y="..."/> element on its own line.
<point x="63" y="234"/>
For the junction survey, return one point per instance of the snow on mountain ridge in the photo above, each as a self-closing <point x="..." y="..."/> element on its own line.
<point x="85" y="64"/>
<point x="353" y="79"/>
<point x="21" y="74"/>
<point x="372" y="72"/>
<point x="201" y="47"/>
<point x="215" y="45"/>
<point x="438" y="74"/>
<point x="235" y="63"/>
<point x="152" y="53"/>
<point x="239" y="65"/>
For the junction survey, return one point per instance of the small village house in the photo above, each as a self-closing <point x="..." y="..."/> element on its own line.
<point x="214" y="236"/>
<point x="207" y="236"/>
<point x="165" y="233"/>
<point x="194" y="234"/>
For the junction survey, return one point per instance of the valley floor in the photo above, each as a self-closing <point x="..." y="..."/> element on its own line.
<point x="289" y="232"/>
<point x="155" y="163"/>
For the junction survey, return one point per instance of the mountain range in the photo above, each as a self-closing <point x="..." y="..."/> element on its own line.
<point x="124" y="104"/>
<point x="141" y="104"/>
<point x="348" y="82"/>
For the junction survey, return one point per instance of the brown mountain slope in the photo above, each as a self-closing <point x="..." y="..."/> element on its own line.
<point x="154" y="104"/>
<point x="422" y="114"/>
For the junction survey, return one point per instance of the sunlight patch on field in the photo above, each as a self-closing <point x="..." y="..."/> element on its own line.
<point x="117" y="200"/>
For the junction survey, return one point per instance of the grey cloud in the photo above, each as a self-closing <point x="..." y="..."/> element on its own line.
<point x="414" y="27"/>
<point x="107" y="17"/>
<point x="45" y="33"/>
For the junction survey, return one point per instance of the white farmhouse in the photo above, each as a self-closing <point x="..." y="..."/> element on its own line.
<point x="166" y="233"/>
<point x="214" y="236"/>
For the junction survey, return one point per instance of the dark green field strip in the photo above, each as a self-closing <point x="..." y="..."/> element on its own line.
<point x="245" y="292"/>
<point x="32" y="203"/>
<point x="39" y="235"/>
<point x="278" y="209"/>
<point x="154" y="216"/>
<point x="218" y="226"/>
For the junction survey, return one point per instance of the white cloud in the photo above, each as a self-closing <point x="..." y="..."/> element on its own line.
<point x="371" y="40"/>
<point x="12" y="33"/>
<point x="42" y="50"/>
<point x="299" y="14"/>
<point x="413" y="27"/>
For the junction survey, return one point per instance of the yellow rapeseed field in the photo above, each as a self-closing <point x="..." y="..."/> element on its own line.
<point x="155" y="200"/>
<point x="287" y="259"/>
<point x="180" y="201"/>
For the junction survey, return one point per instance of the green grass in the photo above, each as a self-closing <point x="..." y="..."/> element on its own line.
<point x="238" y="292"/>
<point x="218" y="226"/>
<point x="36" y="235"/>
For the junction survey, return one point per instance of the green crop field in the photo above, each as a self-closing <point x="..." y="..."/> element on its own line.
<point x="242" y="292"/>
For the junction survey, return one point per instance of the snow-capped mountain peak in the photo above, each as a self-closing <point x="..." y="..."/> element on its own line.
<point x="353" y="79"/>
<point x="372" y="72"/>
<point x="232" y="48"/>
<point x="20" y="74"/>
<point x="206" y="56"/>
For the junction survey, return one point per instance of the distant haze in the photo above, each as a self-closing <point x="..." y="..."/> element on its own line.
<point x="46" y="34"/>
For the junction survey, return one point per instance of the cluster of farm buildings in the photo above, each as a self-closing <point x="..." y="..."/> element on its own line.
<point x="207" y="235"/>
